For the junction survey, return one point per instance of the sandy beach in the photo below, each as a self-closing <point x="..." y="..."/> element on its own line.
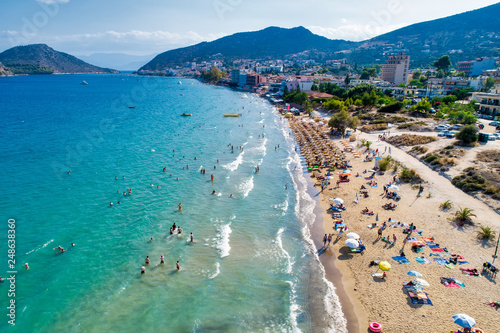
<point x="371" y="299"/>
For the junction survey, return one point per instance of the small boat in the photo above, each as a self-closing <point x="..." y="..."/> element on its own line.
<point x="232" y="115"/>
<point x="83" y="82"/>
<point x="186" y="114"/>
<point x="131" y="107"/>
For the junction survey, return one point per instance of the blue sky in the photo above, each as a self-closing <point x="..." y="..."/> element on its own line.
<point x="143" y="27"/>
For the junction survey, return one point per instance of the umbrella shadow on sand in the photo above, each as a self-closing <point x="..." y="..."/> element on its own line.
<point x="345" y="253"/>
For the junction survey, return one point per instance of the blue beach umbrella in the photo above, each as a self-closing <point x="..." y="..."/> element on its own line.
<point x="464" y="320"/>
<point x="414" y="273"/>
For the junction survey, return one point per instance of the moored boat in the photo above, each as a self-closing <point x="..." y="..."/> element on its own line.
<point x="231" y="115"/>
<point x="186" y="114"/>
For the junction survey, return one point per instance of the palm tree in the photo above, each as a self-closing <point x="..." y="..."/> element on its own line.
<point x="464" y="215"/>
<point x="486" y="233"/>
<point x="446" y="205"/>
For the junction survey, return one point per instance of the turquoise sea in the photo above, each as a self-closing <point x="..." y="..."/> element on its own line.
<point x="252" y="267"/>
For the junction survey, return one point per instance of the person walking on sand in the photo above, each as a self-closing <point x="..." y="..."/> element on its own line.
<point x="329" y="239"/>
<point x="325" y="239"/>
<point x="394" y="238"/>
<point x="380" y="232"/>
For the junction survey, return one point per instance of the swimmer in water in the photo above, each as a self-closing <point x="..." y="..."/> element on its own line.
<point x="191" y="236"/>
<point x="143" y="270"/>
<point x="151" y="239"/>
<point x="147" y="260"/>
<point x="179" y="230"/>
<point x="213" y="192"/>
<point x="118" y="202"/>
<point x="177" y="265"/>
<point x="162" y="259"/>
<point x="116" y="178"/>
<point x="72" y="244"/>
<point x="110" y="203"/>
<point x="231" y="195"/>
<point x="180" y="206"/>
<point x="26" y="266"/>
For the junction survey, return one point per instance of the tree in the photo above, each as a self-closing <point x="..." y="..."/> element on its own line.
<point x="443" y="63"/>
<point x="488" y="84"/>
<point x="212" y="76"/>
<point x="468" y="134"/>
<point x="440" y="74"/>
<point x="314" y="87"/>
<point x="464" y="215"/>
<point x="416" y="75"/>
<point x="358" y="102"/>
<point x="341" y="120"/>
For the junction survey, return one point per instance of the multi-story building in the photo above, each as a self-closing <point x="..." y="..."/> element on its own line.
<point x="253" y="80"/>
<point x="235" y="75"/>
<point x="396" y="68"/>
<point x="489" y="103"/>
<point x="476" y="67"/>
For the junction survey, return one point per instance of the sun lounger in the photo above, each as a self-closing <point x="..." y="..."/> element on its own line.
<point x="401" y="259"/>
<point x="359" y="249"/>
<point x="437" y="250"/>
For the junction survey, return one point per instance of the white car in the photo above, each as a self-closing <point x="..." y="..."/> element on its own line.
<point x="450" y="134"/>
<point x="440" y="128"/>
<point x="442" y="133"/>
<point x="494" y="135"/>
<point x="456" y="127"/>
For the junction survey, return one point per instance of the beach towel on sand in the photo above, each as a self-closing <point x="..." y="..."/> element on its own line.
<point x="423" y="260"/>
<point x="441" y="261"/>
<point x="437" y="250"/>
<point x="433" y="246"/>
<point x="420" y="298"/>
<point x="401" y="260"/>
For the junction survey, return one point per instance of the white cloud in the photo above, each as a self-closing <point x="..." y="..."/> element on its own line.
<point x="354" y="32"/>
<point x="133" y="41"/>
<point x="50" y="2"/>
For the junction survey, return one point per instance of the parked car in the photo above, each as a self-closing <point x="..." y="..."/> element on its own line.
<point x="456" y="127"/>
<point x="488" y="117"/>
<point x="450" y="134"/>
<point x="432" y="110"/>
<point x="440" y="127"/>
<point x="495" y="135"/>
<point x="492" y="137"/>
<point x="480" y="126"/>
<point x="442" y="133"/>
<point x="493" y="123"/>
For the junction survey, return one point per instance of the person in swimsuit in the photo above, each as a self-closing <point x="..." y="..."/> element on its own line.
<point x="177" y="265"/>
<point x="162" y="259"/>
<point x="147" y="260"/>
<point x="192" y="239"/>
<point x="143" y="270"/>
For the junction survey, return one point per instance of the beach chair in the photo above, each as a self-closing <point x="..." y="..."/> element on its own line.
<point x="360" y="249"/>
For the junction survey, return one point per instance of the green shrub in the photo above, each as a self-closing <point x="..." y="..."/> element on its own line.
<point x="430" y="159"/>
<point x="409" y="175"/>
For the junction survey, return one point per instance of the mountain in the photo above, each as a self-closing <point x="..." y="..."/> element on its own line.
<point x="267" y="43"/>
<point x="464" y="36"/>
<point x="42" y="59"/>
<point x="120" y="61"/>
<point x="4" y="71"/>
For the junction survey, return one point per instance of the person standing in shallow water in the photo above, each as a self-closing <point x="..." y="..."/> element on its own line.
<point x="177" y="265"/>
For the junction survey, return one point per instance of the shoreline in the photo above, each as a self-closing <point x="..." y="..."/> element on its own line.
<point x="333" y="273"/>
<point x="365" y="298"/>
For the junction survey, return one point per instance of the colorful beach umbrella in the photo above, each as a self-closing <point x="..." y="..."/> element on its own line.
<point x="384" y="265"/>
<point x="353" y="235"/>
<point x="414" y="273"/>
<point x="464" y="320"/>
<point x="352" y="243"/>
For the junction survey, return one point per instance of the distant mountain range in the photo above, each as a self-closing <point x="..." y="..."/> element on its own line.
<point x="120" y="61"/>
<point x="272" y="42"/>
<point x="464" y="36"/>
<point x="42" y="59"/>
